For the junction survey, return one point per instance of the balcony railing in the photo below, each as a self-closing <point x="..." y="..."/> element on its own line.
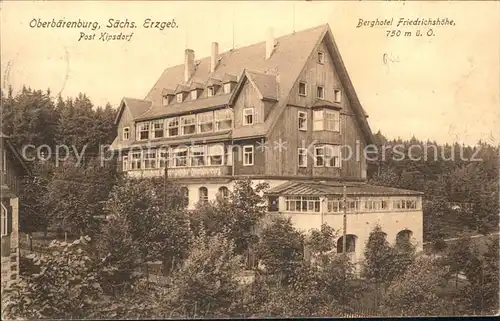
<point x="181" y="172"/>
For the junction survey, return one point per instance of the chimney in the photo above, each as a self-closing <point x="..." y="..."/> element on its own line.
<point x="188" y="64"/>
<point x="270" y="42"/>
<point x="215" y="56"/>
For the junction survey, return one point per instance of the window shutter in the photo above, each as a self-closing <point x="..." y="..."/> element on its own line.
<point x="9" y="219"/>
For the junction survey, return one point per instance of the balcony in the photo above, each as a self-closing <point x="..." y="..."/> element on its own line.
<point x="182" y="172"/>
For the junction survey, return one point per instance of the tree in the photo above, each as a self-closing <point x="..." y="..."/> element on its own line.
<point x="281" y="248"/>
<point x="379" y="257"/>
<point x="120" y="256"/>
<point x="323" y="240"/>
<point x="482" y="291"/>
<point x="157" y="223"/>
<point x="459" y="255"/>
<point x="75" y="195"/>
<point x="238" y="217"/>
<point x="206" y="284"/>
<point x="65" y="285"/>
<point x="413" y="293"/>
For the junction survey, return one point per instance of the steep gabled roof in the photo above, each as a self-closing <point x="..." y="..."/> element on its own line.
<point x="135" y="106"/>
<point x="186" y="107"/>
<point x="285" y="58"/>
<point x="348" y="87"/>
<point x="288" y="60"/>
<point x="265" y="84"/>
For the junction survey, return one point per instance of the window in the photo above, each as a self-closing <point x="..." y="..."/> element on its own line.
<point x="165" y="100"/>
<point x="203" y="195"/>
<point x="194" y="94"/>
<point x="353" y="205"/>
<point x="332" y="155"/>
<point x="157" y="128"/>
<point x="228" y="160"/>
<point x="223" y="119"/>
<point x="320" y="92"/>
<point x="179" y="97"/>
<point x="224" y="193"/>
<point x="188" y="124"/>
<point x="302" y="89"/>
<point x="247" y="155"/>
<point x="404" y="204"/>
<point x="248" y="116"/>
<point x="332" y="120"/>
<point x="125" y="163"/>
<point x="210" y="91"/>
<point x="126" y="133"/>
<point x="318" y="120"/>
<point x="302" y="120"/>
<point x="172" y="127"/>
<point x="197" y="155"/>
<point x="403" y="237"/>
<point x="135" y="162"/>
<point x="227" y="88"/>
<point x="215" y="154"/>
<point x="180" y="157"/>
<point x="350" y="244"/>
<point x="302" y="152"/>
<point x="149" y="159"/>
<point x="206" y="122"/>
<point x="334" y="206"/>
<point x="321" y="57"/>
<point x="5" y="221"/>
<point x="302" y="204"/>
<point x="326" y="120"/>
<point x="273" y="204"/>
<point x="337" y="95"/>
<point x="319" y="156"/>
<point x="327" y="155"/>
<point x="163" y="157"/>
<point x="143" y="130"/>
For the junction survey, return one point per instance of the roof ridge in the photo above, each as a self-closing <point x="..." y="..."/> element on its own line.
<point x="233" y="50"/>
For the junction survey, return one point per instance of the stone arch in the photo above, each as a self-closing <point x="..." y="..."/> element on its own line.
<point x="404" y="236"/>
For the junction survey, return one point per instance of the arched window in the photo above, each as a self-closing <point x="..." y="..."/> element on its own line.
<point x="403" y="237"/>
<point x="224" y="193"/>
<point x="203" y="195"/>
<point x="350" y="243"/>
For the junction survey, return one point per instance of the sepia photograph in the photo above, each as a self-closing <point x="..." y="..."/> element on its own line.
<point x="249" y="159"/>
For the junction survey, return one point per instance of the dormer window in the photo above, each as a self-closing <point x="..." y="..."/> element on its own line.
<point x="248" y="116"/>
<point x="321" y="57"/>
<point x="165" y="100"/>
<point x="211" y="91"/>
<point x="227" y="88"/>
<point x="194" y="94"/>
<point x="179" y="97"/>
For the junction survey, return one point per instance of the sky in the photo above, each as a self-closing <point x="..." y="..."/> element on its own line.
<point x="444" y="87"/>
